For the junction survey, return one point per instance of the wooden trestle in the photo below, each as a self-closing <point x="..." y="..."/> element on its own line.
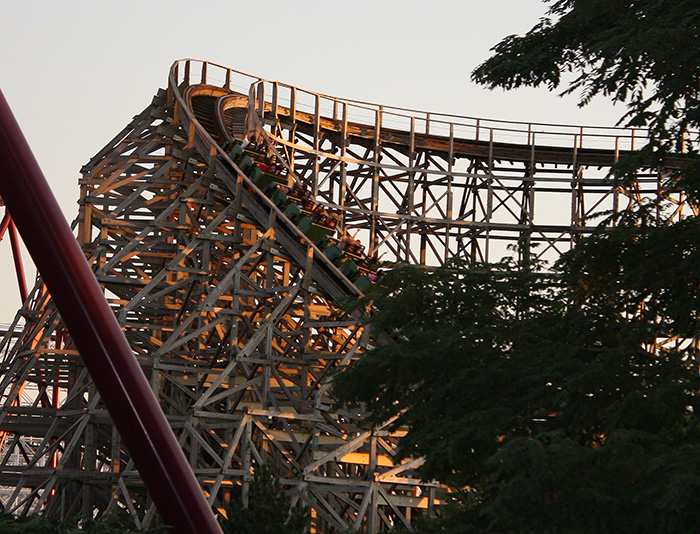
<point x="231" y="309"/>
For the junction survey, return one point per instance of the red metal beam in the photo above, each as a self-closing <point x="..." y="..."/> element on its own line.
<point x="17" y="256"/>
<point x="5" y="224"/>
<point x="98" y="337"/>
<point x="16" y="253"/>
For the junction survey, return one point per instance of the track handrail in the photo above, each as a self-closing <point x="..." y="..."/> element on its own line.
<point x="608" y="138"/>
<point x="554" y="157"/>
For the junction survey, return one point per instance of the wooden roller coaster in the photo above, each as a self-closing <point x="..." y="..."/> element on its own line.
<point x="225" y="223"/>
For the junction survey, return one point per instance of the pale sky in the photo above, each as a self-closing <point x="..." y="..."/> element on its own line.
<point x="75" y="72"/>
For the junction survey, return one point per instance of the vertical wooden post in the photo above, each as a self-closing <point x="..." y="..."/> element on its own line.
<point x="616" y="192"/>
<point x="489" y="199"/>
<point x="275" y="89"/>
<point x="411" y="187"/>
<point x="373" y="237"/>
<point x="293" y="129"/>
<point x="450" y="158"/>
<point x="317" y="142"/>
<point x="343" y="167"/>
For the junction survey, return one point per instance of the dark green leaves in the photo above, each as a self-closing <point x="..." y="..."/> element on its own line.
<point x="35" y="524"/>
<point x="566" y="403"/>
<point x="639" y="52"/>
<point x="268" y="512"/>
<point x="543" y="394"/>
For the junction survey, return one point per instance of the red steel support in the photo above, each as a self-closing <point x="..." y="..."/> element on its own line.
<point x="5" y="224"/>
<point x="98" y="337"/>
<point x="17" y="256"/>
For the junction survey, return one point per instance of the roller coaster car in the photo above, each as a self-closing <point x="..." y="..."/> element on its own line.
<point x="322" y="225"/>
<point x="236" y="153"/>
<point x="301" y="208"/>
<point x="304" y="224"/>
<point x="333" y="252"/>
<point x="295" y="215"/>
<point x="292" y="211"/>
<point x="234" y="150"/>
<point x="348" y="267"/>
<point x="261" y="178"/>
<point x="245" y="162"/>
<point x="270" y="176"/>
<point x="363" y="283"/>
<point x="255" y="174"/>
<point x="317" y="232"/>
<point x="259" y="150"/>
<point x="279" y="197"/>
<point x="323" y="242"/>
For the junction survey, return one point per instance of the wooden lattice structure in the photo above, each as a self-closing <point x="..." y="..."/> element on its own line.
<point x="233" y="310"/>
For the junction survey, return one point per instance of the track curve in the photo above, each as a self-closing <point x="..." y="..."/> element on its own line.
<point x="420" y="187"/>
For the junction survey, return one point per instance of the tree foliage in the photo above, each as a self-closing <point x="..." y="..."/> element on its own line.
<point x="268" y="512"/>
<point x="565" y="402"/>
<point x="642" y="53"/>
<point x="542" y="395"/>
<point x="35" y="524"/>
